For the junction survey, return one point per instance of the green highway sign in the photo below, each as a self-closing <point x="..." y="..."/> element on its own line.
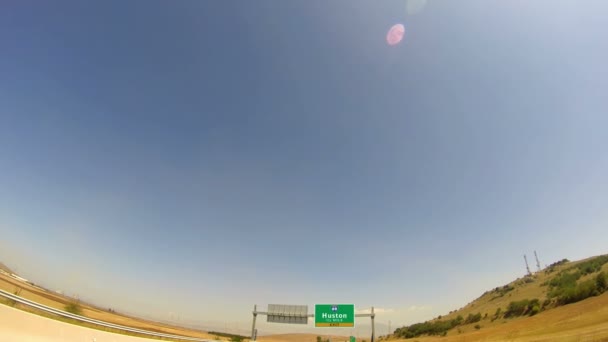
<point x="335" y="315"/>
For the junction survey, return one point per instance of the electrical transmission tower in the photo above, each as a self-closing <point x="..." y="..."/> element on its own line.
<point x="537" y="262"/>
<point x="527" y="267"/>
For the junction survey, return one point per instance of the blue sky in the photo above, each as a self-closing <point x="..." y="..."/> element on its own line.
<point x="225" y="154"/>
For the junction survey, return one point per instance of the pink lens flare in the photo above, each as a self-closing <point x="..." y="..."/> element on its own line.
<point x="395" y="34"/>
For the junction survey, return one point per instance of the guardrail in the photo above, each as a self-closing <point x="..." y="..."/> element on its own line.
<point x="97" y="322"/>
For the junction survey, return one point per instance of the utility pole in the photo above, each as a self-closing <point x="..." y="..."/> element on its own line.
<point x="527" y="267"/>
<point x="537" y="262"/>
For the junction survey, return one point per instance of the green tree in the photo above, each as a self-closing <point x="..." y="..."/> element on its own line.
<point x="517" y="308"/>
<point x="582" y="291"/>
<point x="601" y="282"/>
<point x="535" y="309"/>
<point x="473" y="318"/>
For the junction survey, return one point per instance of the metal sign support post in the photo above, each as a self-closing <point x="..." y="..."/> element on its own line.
<point x="255" y="314"/>
<point x="372" y="315"/>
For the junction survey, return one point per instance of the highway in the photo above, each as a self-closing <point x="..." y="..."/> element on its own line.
<point x="18" y="325"/>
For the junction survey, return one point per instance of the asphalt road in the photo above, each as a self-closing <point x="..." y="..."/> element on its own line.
<point x="17" y="325"/>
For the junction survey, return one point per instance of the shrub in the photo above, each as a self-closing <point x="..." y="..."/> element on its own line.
<point x="582" y="291"/>
<point x="566" y="290"/>
<point x="535" y="309"/>
<point x="477" y="326"/>
<point x="501" y="291"/>
<point x="593" y="265"/>
<point x="428" y="328"/>
<point x="563" y="282"/>
<point x="74" y="308"/>
<point x="473" y="318"/>
<point x="519" y="308"/>
<point x="564" y="279"/>
<point x="516" y="308"/>
<point x="601" y="282"/>
<point x="554" y="265"/>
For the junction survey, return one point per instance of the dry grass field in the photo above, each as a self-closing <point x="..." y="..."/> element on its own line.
<point x="57" y="301"/>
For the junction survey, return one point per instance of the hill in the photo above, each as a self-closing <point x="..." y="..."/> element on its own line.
<point x="5" y="268"/>
<point x="586" y="320"/>
<point x="557" y="286"/>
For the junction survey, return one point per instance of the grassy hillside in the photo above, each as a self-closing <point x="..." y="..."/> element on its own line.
<point x="585" y="321"/>
<point x="559" y="284"/>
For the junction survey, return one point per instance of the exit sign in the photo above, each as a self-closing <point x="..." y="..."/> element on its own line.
<point x="335" y="315"/>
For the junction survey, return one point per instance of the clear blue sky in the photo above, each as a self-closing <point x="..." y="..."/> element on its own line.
<point x="219" y="154"/>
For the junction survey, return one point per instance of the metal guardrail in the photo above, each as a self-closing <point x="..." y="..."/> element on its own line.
<point x="97" y="322"/>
